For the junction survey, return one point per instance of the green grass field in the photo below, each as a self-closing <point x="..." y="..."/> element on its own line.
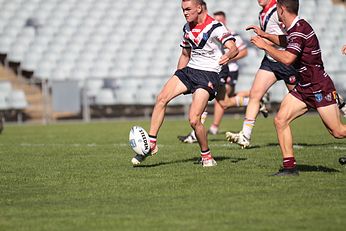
<point x="77" y="176"/>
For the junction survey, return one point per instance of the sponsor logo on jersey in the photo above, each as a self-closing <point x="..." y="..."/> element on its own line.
<point x="328" y="97"/>
<point x="318" y="97"/>
<point x="196" y="30"/>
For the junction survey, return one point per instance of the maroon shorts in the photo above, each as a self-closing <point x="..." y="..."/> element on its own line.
<point x="316" y="95"/>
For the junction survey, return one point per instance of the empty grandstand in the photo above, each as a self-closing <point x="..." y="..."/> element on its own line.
<point x="121" y="52"/>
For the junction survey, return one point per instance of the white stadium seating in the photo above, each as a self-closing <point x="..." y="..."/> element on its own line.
<point x="96" y="39"/>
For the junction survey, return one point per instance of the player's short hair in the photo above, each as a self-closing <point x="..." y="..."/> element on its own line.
<point x="204" y="5"/>
<point x="199" y="2"/>
<point x="220" y="13"/>
<point x="292" y="6"/>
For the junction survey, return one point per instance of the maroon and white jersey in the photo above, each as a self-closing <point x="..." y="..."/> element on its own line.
<point x="206" y="42"/>
<point x="303" y="42"/>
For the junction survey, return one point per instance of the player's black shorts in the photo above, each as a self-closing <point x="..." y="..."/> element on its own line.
<point x="194" y="79"/>
<point x="281" y="71"/>
<point x="228" y="77"/>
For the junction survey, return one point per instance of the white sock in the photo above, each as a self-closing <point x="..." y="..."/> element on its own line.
<point x="241" y="101"/>
<point x="204" y="117"/>
<point x="248" y="125"/>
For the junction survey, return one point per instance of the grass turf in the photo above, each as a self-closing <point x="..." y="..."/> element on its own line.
<point x="79" y="177"/>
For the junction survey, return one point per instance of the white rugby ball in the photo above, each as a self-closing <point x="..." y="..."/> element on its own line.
<point x="139" y="140"/>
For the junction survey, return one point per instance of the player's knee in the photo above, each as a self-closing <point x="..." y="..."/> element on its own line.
<point x="223" y="104"/>
<point x="194" y="120"/>
<point x="255" y="95"/>
<point x="162" y="100"/>
<point x="280" y="121"/>
<point x="338" y="134"/>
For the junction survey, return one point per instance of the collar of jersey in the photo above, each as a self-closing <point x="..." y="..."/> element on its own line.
<point x="201" y="26"/>
<point x="293" y="23"/>
<point x="268" y="7"/>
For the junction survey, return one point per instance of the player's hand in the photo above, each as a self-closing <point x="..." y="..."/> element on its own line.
<point x="256" y="29"/>
<point x="343" y="50"/>
<point x="258" y="42"/>
<point x="224" y="59"/>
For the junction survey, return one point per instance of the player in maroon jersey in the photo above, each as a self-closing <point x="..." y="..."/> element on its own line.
<point x="315" y="90"/>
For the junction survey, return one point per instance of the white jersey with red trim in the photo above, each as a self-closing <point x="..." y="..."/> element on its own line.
<point x="206" y="42"/>
<point x="269" y="23"/>
<point x="239" y="42"/>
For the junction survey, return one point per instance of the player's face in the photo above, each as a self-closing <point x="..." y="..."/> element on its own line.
<point x="220" y="18"/>
<point x="263" y="3"/>
<point x="190" y="10"/>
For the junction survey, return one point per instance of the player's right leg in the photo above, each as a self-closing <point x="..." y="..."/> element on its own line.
<point x="330" y="116"/>
<point x="263" y="81"/>
<point x="199" y="102"/>
<point x="290" y="109"/>
<point x="172" y="88"/>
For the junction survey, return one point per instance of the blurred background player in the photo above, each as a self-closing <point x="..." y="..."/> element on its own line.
<point x="198" y="73"/>
<point x="315" y="90"/>
<point x="226" y="93"/>
<point x="268" y="74"/>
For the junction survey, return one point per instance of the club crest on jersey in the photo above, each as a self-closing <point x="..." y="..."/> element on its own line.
<point x="328" y="97"/>
<point x="334" y="94"/>
<point x="318" y="97"/>
<point x="205" y="36"/>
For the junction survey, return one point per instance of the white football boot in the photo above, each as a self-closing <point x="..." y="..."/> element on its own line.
<point x="238" y="138"/>
<point x="138" y="159"/>
<point x="190" y="139"/>
<point x="208" y="162"/>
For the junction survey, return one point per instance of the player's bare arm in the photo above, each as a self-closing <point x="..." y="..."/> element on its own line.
<point x="231" y="53"/>
<point x="282" y="56"/>
<point x="242" y="53"/>
<point x="184" y="58"/>
<point x="275" y="39"/>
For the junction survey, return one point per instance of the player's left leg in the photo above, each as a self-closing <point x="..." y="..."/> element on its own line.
<point x="223" y="94"/>
<point x="290" y="109"/>
<point x="191" y="137"/>
<point x="199" y="101"/>
<point x="330" y="116"/>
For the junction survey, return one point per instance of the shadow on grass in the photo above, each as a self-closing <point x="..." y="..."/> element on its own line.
<point x="312" y="168"/>
<point x="194" y="160"/>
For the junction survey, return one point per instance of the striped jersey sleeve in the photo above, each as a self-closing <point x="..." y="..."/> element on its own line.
<point x="223" y="34"/>
<point x="184" y="42"/>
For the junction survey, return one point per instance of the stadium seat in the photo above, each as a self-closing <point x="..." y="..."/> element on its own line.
<point x="17" y="100"/>
<point x="4" y="104"/>
<point x="93" y="39"/>
<point x="105" y="97"/>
